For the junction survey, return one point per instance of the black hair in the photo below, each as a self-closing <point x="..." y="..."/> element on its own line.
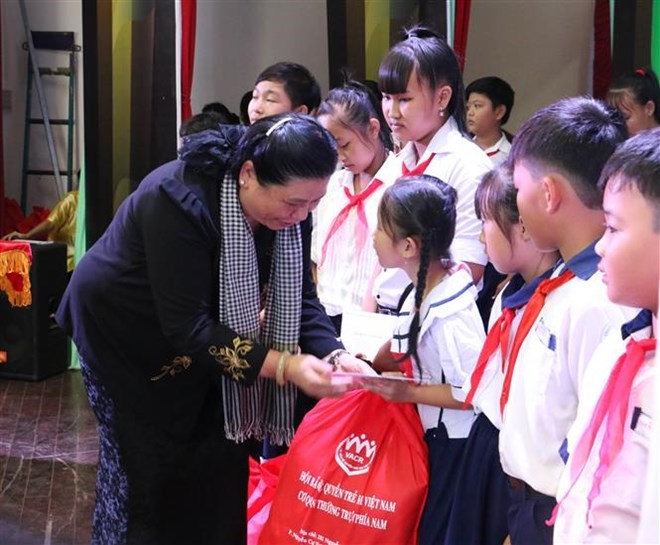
<point x="422" y="207"/>
<point x="353" y="105"/>
<point x="228" y="117"/>
<point x="286" y="146"/>
<point x="373" y="87"/>
<point x="200" y="122"/>
<point x="636" y="162"/>
<point x="434" y="61"/>
<point x="243" y="108"/>
<point x="299" y="84"/>
<point x="574" y="136"/>
<point x="498" y="91"/>
<point x="642" y="85"/>
<point x="495" y="198"/>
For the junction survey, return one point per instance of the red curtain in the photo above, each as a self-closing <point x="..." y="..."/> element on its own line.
<point x="188" y="25"/>
<point x="462" y="20"/>
<point x="602" y="66"/>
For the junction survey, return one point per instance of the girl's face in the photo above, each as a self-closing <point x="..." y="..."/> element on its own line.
<point x="268" y="98"/>
<point x="414" y="116"/>
<point x="355" y="153"/>
<point x="498" y="247"/>
<point x="388" y="250"/>
<point x="278" y="206"/>
<point x="638" y="117"/>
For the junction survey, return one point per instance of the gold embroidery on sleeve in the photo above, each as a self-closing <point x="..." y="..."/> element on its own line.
<point x="233" y="359"/>
<point x="179" y="363"/>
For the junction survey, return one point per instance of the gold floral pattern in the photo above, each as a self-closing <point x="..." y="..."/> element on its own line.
<point x="233" y="359"/>
<point x="179" y="363"/>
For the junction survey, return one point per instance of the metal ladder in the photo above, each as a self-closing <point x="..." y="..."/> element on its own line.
<point x="52" y="41"/>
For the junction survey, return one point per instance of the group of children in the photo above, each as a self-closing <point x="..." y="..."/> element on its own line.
<point x="535" y="379"/>
<point x="539" y="430"/>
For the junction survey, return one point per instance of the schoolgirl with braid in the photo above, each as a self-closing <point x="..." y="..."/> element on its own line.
<point x="439" y="334"/>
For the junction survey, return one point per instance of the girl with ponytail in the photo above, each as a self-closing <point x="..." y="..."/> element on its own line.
<point x="346" y="216"/>
<point x="636" y="95"/>
<point x="439" y="333"/>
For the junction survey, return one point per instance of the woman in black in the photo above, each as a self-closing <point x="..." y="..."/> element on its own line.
<point x="196" y="317"/>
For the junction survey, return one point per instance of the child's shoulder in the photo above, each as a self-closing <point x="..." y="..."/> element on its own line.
<point x="458" y="150"/>
<point x="583" y="302"/>
<point x="340" y="178"/>
<point x="456" y="292"/>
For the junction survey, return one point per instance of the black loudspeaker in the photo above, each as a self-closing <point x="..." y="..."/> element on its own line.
<point x="36" y="346"/>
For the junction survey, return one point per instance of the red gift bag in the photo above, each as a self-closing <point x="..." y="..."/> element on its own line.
<point x="261" y="491"/>
<point x="356" y="473"/>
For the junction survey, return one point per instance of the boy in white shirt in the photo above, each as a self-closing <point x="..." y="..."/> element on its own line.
<point x="489" y="103"/>
<point x="557" y="158"/>
<point x="602" y="487"/>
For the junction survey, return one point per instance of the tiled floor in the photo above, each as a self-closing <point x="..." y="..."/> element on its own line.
<point x="48" y="456"/>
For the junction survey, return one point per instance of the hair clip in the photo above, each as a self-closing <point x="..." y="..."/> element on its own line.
<point x="640" y="72"/>
<point x="278" y="124"/>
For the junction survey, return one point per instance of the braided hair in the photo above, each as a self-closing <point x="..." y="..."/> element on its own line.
<point x="422" y="207"/>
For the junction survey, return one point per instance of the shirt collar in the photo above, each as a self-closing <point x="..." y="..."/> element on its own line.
<point x="517" y="293"/>
<point x="443" y="141"/>
<point x="497" y="146"/>
<point x="584" y="264"/>
<point x="642" y="321"/>
<point x="346" y="179"/>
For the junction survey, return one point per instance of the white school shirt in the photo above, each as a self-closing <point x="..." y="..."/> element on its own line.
<point x="450" y="338"/>
<point x="487" y="397"/>
<point x="615" y="512"/>
<point x="544" y="388"/>
<point x="343" y="280"/>
<point x="499" y="151"/>
<point x="460" y="163"/>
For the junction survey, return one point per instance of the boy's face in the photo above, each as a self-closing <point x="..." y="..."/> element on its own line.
<point x="482" y="118"/>
<point x="531" y="204"/>
<point x="629" y="249"/>
<point x="268" y="98"/>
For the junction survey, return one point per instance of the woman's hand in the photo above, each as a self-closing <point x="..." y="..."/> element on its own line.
<point x="313" y="376"/>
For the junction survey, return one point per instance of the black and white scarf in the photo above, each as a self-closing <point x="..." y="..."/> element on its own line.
<point x="264" y="409"/>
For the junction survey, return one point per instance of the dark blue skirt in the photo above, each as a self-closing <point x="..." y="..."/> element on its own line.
<point x="481" y="502"/>
<point x="445" y="456"/>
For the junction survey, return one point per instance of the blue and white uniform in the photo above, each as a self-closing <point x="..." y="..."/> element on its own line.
<point x="544" y="390"/>
<point x="449" y="341"/>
